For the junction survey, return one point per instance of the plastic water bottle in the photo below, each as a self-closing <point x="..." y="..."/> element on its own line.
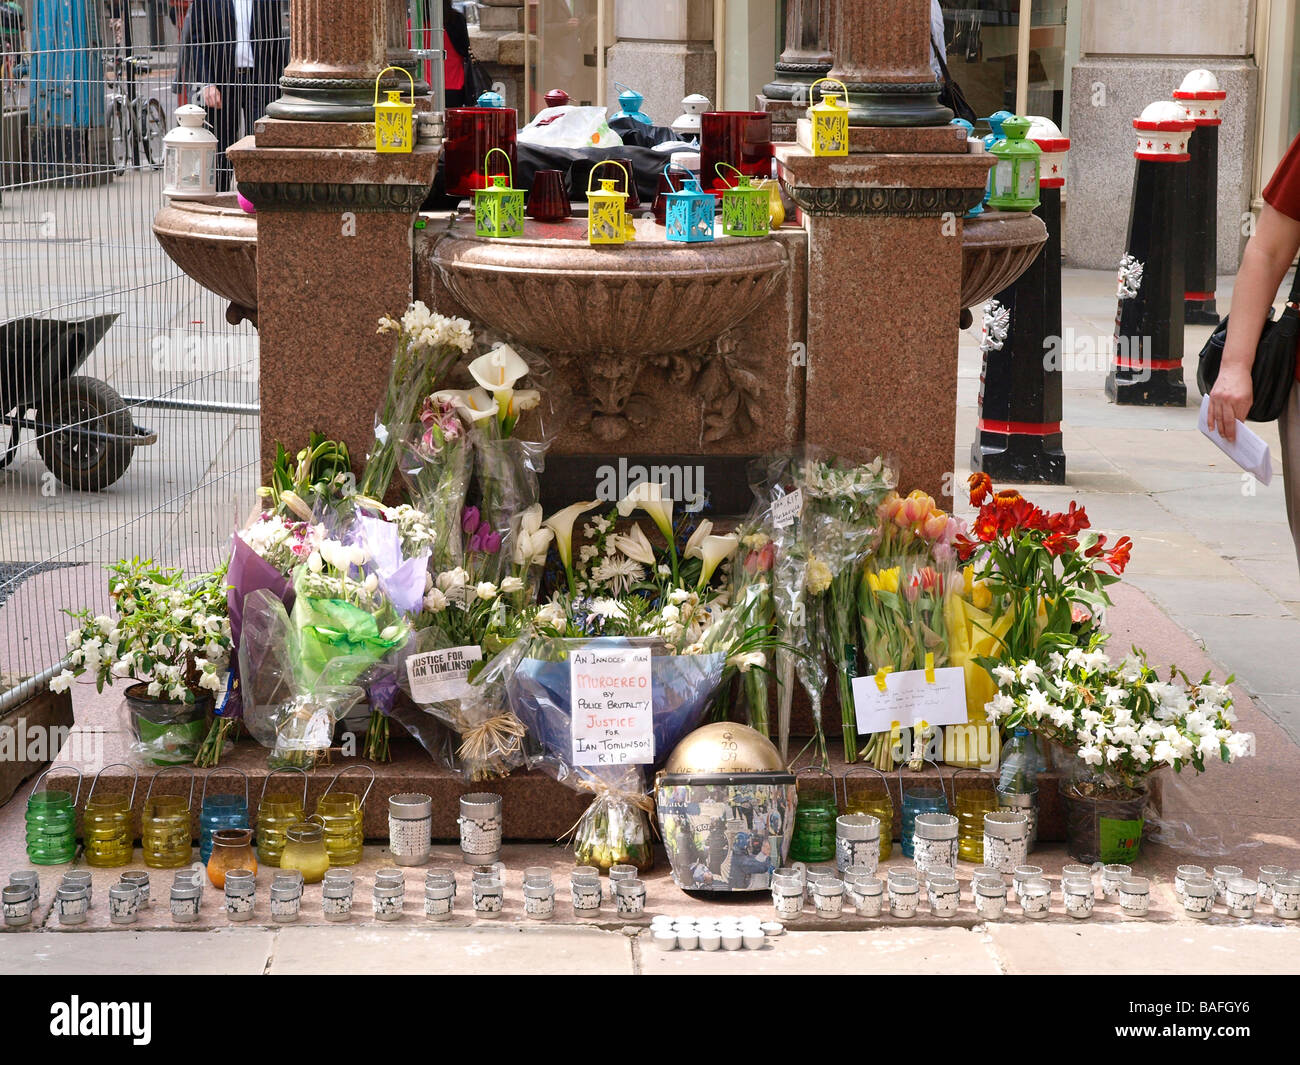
<point x="1018" y="780"/>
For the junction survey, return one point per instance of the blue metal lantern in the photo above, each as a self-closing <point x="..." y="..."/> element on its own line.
<point x="630" y="101"/>
<point x="688" y="211"/>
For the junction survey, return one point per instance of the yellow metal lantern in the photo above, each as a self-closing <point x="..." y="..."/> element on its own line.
<point x="830" y="121"/>
<point x="607" y="219"/>
<point x="499" y="208"/>
<point x="394" y="118"/>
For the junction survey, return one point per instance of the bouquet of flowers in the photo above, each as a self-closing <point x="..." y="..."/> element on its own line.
<point x="426" y="346"/>
<point x="840" y="523"/>
<point x="756" y="561"/>
<point x="264" y="554"/>
<point x="1048" y="572"/>
<point x="169" y="633"/>
<point x="436" y="465"/>
<point x="1121" y="721"/>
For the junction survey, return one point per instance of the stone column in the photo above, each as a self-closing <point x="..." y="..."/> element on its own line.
<point x="882" y="54"/>
<point x="805" y="58"/>
<point x="884" y="269"/>
<point x="334" y="229"/>
<point x="664" y="51"/>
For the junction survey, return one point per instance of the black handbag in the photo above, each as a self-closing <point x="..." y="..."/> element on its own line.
<point x="950" y="94"/>
<point x="477" y="81"/>
<point x="1273" y="372"/>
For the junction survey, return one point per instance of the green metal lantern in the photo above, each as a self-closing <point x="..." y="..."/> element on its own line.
<point x="499" y="208"/>
<point x="746" y="209"/>
<point x="688" y="211"/>
<point x="1015" y="174"/>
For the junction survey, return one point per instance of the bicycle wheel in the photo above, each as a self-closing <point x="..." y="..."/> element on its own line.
<point x="154" y="122"/>
<point x="118" y="150"/>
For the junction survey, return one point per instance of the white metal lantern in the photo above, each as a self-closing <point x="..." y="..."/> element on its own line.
<point x="190" y="157"/>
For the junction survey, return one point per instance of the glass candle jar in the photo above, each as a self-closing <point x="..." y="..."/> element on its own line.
<point x="629" y="897"/>
<point x="288" y="878"/>
<point x="123" y="903"/>
<point x="480" y="828"/>
<point x="107" y="831"/>
<point x="337" y="892"/>
<point x="165" y="834"/>
<point x="140" y="881"/>
<point x="1111" y="875"/>
<point x="1005" y="840"/>
<point x="585" y="892"/>
<point x="18" y="905"/>
<point x="828" y="898"/>
<point x="30" y="878"/>
<point x="185" y="903"/>
<point x="934" y="842"/>
<point x="539" y="899"/>
<point x="920" y="799"/>
<point x="853" y="876"/>
<point x="277" y="812"/>
<point x="990" y="897"/>
<point x="1268" y="876"/>
<point x="441" y="878"/>
<point x="286" y="901"/>
<point x="869" y="896"/>
<point x="1240" y="895"/>
<point x="1198" y="897"/>
<point x="218" y="811"/>
<point x="904" y="896"/>
<point x="410" y="827"/>
<point x="1184" y="874"/>
<point x="340" y="815"/>
<point x="489" y="897"/>
<point x="1286" y="898"/>
<point x="1135" y="896"/>
<point x="944" y="894"/>
<point x="82" y="879"/>
<point x="871" y="796"/>
<point x="1078" y="896"/>
<point x="72" y="904"/>
<point x="1035" y="896"/>
<point x="1021" y="873"/>
<point x="231" y="848"/>
<point x="389" y="897"/>
<point x="787" y="896"/>
<point x="1022" y="802"/>
<point x="51" y="821"/>
<point x="857" y="842"/>
<point x="541" y="874"/>
<point x="973" y="797"/>
<point x="440" y="899"/>
<point x="1222" y="874"/>
<point x="240" y="886"/>
<point x="304" y="850"/>
<point x="813" y="836"/>
<point x="621" y="872"/>
<point x="981" y="871"/>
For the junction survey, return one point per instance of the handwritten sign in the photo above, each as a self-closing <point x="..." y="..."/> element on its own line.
<point x="437" y="676"/>
<point x="611" y="697"/>
<point x="909" y="698"/>
<point x="786" y="508"/>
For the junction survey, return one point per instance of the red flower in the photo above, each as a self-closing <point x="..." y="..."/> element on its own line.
<point x="930" y="580"/>
<point x="1007" y="497"/>
<point x="987" y="525"/>
<point x="1118" y="557"/>
<point x="1099" y="548"/>
<point x="1069" y="522"/>
<point x="1059" y="543"/>
<point x="981" y="485"/>
<point x="964" y="547"/>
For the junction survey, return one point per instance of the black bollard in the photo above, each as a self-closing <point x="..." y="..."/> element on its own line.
<point x="1202" y="98"/>
<point x="1148" y="366"/>
<point x="1018" y="434"/>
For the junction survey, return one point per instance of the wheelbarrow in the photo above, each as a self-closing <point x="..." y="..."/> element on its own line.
<point x="84" y="431"/>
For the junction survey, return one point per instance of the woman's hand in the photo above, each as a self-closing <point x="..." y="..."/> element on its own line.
<point x="1230" y="400"/>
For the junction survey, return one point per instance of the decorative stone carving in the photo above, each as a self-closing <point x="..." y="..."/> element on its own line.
<point x="322" y="195"/>
<point x="903" y="202"/>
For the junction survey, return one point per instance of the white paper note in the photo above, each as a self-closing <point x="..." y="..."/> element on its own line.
<point x="439" y="676"/>
<point x="909" y="698"/>
<point x="611" y="698"/>
<point x="1248" y="451"/>
<point x="786" y="508"/>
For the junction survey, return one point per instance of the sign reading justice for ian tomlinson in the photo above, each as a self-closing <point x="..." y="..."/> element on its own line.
<point x="613" y="722"/>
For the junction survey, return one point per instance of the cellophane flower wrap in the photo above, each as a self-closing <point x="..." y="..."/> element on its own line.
<point x="300" y="491"/>
<point x="425" y="347"/>
<point x="753" y="567"/>
<point x="839" y="524"/>
<point x="904" y="601"/>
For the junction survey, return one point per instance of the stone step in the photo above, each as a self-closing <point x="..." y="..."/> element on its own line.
<point x="536" y="807"/>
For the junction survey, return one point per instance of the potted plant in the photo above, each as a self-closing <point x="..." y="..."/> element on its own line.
<point x="1121" y="724"/>
<point x="170" y="634"/>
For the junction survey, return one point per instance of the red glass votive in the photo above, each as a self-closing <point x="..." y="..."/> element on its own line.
<point x="740" y="138"/>
<point x="557" y="98"/>
<point x="547" y="199"/>
<point x="660" y="205"/>
<point x="471" y="133"/>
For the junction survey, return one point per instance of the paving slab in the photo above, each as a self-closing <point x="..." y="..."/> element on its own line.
<point x="1221" y="947"/>
<point x="887" y="952"/>
<point x="242" y="952"/>
<point x="480" y="951"/>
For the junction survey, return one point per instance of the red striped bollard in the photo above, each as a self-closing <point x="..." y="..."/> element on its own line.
<point x="1203" y="100"/>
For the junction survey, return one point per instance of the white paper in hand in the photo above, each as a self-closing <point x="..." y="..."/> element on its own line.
<point x="1248" y="451"/>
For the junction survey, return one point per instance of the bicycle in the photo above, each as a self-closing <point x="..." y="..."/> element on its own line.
<point x="136" y="127"/>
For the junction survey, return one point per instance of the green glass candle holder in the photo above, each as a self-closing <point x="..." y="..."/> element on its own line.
<point x="52" y="823"/>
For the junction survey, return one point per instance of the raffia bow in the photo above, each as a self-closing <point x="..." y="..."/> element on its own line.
<point x="497" y="737"/>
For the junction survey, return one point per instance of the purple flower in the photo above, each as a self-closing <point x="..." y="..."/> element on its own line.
<point x="469" y="520"/>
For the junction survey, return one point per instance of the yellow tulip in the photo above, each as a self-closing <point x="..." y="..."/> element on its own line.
<point x="981" y="596"/>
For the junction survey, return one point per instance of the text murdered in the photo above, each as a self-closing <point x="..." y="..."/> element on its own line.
<point x="611" y="693"/>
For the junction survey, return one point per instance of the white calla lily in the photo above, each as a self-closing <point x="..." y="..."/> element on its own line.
<point x="533" y="539"/>
<point x="561" y="524"/>
<point x="636" y="546"/>
<point x="649" y="496"/>
<point x="714" y="550"/>
<point x="697" y="538"/>
<point x="473" y="404"/>
<point x="499" y="368"/>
